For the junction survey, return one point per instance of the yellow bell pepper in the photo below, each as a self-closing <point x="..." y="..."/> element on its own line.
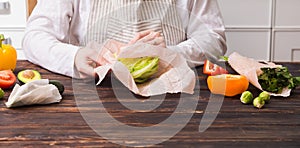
<point x="8" y="56"/>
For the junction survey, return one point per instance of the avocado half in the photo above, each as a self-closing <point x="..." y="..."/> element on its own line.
<point x="28" y="75"/>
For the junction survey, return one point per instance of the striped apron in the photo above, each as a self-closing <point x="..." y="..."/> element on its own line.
<point x="122" y="19"/>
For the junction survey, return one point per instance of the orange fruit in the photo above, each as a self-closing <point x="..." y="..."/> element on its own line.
<point x="227" y="84"/>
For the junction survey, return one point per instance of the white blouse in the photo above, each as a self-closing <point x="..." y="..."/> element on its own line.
<point x="56" y="29"/>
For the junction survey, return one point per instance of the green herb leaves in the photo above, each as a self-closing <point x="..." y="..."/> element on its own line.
<point x="275" y="79"/>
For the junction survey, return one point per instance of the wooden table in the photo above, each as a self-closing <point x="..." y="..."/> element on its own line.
<point x="236" y="125"/>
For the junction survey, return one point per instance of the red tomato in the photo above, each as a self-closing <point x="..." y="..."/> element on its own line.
<point x="212" y="69"/>
<point x="7" y="79"/>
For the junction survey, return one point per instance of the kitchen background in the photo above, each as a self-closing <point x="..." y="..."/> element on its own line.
<point x="261" y="29"/>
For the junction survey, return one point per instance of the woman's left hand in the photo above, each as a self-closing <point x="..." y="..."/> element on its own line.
<point x="149" y="37"/>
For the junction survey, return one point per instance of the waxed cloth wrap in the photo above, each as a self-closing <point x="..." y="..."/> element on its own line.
<point x="33" y="92"/>
<point x="173" y="76"/>
<point x="251" y="68"/>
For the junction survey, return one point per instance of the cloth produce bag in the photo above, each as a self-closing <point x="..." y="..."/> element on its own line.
<point x="251" y="68"/>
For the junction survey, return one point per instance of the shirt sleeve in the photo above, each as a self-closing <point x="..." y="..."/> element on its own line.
<point x="205" y="33"/>
<point x="46" y="39"/>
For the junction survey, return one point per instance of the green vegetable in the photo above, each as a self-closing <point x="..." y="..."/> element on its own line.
<point x="275" y="79"/>
<point x="258" y="102"/>
<point x="1" y="93"/>
<point x="246" y="97"/>
<point x="28" y="75"/>
<point x="265" y="96"/>
<point x="58" y="84"/>
<point x="225" y="58"/>
<point x="142" y="68"/>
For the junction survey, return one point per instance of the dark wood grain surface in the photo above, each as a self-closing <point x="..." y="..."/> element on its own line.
<point x="236" y="125"/>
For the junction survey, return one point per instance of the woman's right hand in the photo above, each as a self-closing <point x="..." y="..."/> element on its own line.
<point x="86" y="60"/>
<point x="94" y="55"/>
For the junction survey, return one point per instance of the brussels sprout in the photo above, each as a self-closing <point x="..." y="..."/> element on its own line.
<point x="258" y="102"/>
<point x="246" y="97"/>
<point x="265" y="96"/>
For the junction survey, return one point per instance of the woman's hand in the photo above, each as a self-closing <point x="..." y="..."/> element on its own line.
<point x="85" y="62"/>
<point x="94" y="55"/>
<point x="149" y="37"/>
<point x="88" y="58"/>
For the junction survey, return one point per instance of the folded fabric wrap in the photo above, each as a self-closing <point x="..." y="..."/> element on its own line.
<point x="34" y="92"/>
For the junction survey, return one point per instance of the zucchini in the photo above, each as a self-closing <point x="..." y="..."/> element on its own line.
<point x="59" y="85"/>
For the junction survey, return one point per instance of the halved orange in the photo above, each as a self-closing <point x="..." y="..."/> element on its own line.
<point x="227" y="84"/>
